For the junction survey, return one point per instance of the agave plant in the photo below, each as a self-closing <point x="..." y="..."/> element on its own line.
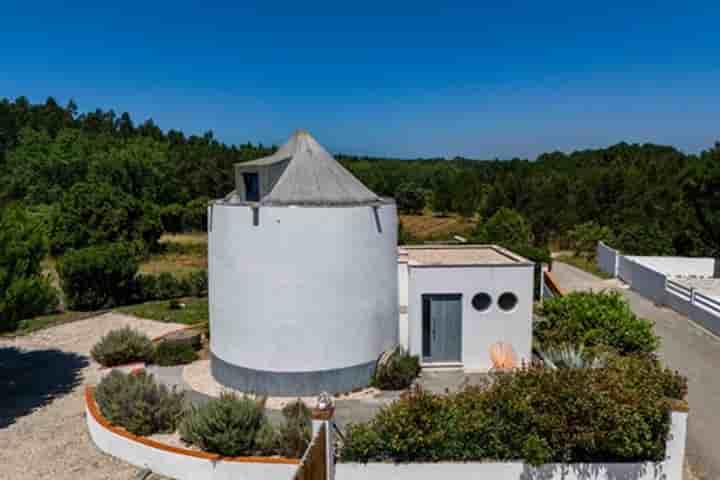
<point x="571" y="356"/>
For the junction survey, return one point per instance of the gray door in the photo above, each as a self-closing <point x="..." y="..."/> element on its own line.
<point x="442" y="328"/>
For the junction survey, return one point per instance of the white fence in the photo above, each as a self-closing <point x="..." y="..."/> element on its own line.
<point x="651" y="277"/>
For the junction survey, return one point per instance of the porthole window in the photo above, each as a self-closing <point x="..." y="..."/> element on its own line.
<point x="507" y="301"/>
<point x="481" y="302"/>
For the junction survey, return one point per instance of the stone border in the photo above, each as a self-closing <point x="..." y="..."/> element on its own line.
<point x="176" y="462"/>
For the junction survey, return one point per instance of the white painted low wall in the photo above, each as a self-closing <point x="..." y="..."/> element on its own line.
<point x="678" y="266"/>
<point x="181" y="466"/>
<point x="607" y="259"/>
<point x="669" y="469"/>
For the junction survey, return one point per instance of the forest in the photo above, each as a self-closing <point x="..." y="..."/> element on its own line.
<point x="99" y="176"/>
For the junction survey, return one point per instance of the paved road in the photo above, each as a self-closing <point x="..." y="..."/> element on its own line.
<point x="685" y="347"/>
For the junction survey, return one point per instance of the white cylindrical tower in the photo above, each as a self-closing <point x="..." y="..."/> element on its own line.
<point x="303" y="276"/>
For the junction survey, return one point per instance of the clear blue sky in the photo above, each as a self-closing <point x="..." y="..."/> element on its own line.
<point x="385" y="78"/>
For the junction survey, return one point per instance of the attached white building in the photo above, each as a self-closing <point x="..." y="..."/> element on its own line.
<point x="456" y="302"/>
<point x="303" y="275"/>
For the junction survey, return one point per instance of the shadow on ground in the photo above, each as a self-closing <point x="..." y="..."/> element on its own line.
<point x="30" y="379"/>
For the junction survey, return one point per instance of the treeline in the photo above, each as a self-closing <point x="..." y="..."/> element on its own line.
<point x="100" y="176"/>
<point x="652" y="199"/>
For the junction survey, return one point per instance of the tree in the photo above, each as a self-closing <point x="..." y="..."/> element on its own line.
<point x="410" y="198"/>
<point x="506" y="227"/>
<point x="24" y="291"/>
<point x="703" y="191"/>
<point x="94" y="214"/>
<point x="585" y="237"/>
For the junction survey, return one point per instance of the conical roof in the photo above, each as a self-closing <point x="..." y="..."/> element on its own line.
<point x="312" y="176"/>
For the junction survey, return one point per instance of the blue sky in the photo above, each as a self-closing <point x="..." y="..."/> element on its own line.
<point x="405" y="79"/>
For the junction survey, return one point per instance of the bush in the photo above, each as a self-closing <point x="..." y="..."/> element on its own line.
<point x="227" y="426"/>
<point x="173" y="217"/>
<point x="173" y="353"/>
<point x="296" y="433"/>
<point x="138" y="404"/>
<point x="122" y="346"/>
<point x="99" y="276"/>
<point x="591" y="319"/>
<point x="24" y="291"/>
<point x="26" y="297"/>
<point x="410" y="198"/>
<point x="166" y="286"/>
<point x="615" y="414"/>
<point x="196" y="214"/>
<point x="398" y="372"/>
<point x="196" y="283"/>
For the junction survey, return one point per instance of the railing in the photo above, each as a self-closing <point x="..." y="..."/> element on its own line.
<point x="679" y="290"/>
<point x="552" y="285"/>
<point x="314" y="463"/>
<point x="706" y="302"/>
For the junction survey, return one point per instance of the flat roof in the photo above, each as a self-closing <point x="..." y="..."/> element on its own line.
<point x="458" y="255"/>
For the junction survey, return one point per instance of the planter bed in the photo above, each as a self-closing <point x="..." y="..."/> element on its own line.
<point x="175" y="462"/>
<point x="669" y="469"/>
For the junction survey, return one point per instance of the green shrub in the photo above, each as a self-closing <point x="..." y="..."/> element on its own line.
<point x="122" y="346"/>
<point x="268" y="441"/>
<point x="99" y="276"/>
<point x="593" y="318"/>
<point x="196" y="283"/>
<point x="138" y="404"/>
<point x="227" y="425"/>
<point x="147" y="287"/>
<point x="24" y="291"/>
<point x="296" y="432"/>
<point x="398" y="372"/>
<point x="172" y="217"/>
<point x="26" y="297"/>
<point x="620" y="413"/>
<point x="173" y="353"/>
<point x="169" y="286"/>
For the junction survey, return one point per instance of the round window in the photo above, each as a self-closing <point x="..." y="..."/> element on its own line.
<point x="481" y="302"/>
<point x="507" y="301"/>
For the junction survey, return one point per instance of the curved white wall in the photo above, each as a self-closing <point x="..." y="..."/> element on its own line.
<point x="307" y="289"/>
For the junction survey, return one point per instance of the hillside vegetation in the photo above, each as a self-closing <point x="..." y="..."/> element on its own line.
<point x="95" y="178"/>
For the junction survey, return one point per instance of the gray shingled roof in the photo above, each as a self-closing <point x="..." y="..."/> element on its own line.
<point x="312" y="176"/>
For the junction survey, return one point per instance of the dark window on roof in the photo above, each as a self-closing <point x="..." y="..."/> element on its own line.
<point x="252" y="187"/>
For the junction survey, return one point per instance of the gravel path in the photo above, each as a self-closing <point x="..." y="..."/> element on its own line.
<point x="42" y="424"/>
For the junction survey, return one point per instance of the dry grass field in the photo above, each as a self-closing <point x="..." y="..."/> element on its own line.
<point x="183" y="253"/>
<point x="429" y="227"/>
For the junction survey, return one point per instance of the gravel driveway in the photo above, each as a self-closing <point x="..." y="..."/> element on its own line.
<point x="42" y="424"/>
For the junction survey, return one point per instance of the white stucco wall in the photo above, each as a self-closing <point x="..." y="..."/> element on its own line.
<point x="669" y="469"/>
<point x="178" y="466"/>
<point x="307" y="289"/>
<point x="403" y="282"/>
<point x="673" y="266"/>
<point x="607" y="259"/>
<point x="480" y="330"/>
